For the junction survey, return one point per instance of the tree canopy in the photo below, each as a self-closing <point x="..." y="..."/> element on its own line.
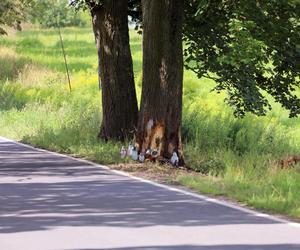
<point x="249" y="48"/>
<point x="12" y="13"/>
<point x="134" y="7"/>
<point x="50" y="13"/>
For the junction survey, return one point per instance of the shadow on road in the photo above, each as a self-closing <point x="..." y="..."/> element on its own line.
<point x="39" y="191"/>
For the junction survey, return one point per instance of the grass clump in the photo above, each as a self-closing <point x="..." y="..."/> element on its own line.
<point x="11" y="64"/>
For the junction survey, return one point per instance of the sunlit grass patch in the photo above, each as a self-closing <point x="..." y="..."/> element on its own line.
<point x="23" y="70"/>
<point x="11" y="64"/>
<point x="278" y="192"/>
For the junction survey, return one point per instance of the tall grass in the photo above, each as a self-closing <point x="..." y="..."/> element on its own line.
<point x="237" y="155"/>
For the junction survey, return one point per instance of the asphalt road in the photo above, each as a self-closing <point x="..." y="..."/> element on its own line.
<point x="48" y="201"/>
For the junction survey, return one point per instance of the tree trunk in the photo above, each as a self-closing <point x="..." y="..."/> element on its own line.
<point x="119" y="103"/>
<point x="161" y="106"/>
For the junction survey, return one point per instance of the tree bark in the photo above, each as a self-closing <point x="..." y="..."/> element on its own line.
<point x="161" y="105"/>
<point x="119" y="103"/>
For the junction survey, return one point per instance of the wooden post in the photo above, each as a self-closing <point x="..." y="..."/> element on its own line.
<point x="64" y="54"/>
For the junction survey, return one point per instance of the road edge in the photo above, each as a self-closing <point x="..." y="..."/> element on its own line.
<point x="170" y="188"/>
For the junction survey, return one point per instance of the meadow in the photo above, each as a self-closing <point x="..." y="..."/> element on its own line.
<point x="237" y="157"/>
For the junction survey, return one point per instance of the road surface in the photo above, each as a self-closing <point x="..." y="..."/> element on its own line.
<point x="53" y="202"/>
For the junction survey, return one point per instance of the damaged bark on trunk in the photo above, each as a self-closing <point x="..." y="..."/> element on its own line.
<point x="161" y="105"/>
<point x="119" y="103"/>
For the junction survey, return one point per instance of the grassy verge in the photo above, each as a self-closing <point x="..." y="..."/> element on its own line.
<point x="237" y="157"/>
<point x="277" y="192"/>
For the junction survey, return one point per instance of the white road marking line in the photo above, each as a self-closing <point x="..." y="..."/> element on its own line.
<point x="198" y="196"/>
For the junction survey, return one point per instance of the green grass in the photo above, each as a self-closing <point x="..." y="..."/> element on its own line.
<point x="237" y="155"/>
<point x="278" y="192"/>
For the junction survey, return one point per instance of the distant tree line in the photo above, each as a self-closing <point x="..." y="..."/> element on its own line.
<point x="50" y="13"/>
<point x="47" y="13"/>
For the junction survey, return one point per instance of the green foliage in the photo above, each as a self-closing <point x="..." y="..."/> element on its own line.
<point x="10" y="98"/>
<point x="204" y="163"/>
<point x="134" y="8"/>
<point x="53" y="13"/>
<point x="210" y="125"/>
<point x="248" y="48"/>
<point x="12" y="13"/>
<point x="86" y="4"/>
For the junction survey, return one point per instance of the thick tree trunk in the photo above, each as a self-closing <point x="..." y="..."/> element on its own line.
<point x="119" y="103"/>
<point x="161" y="106"/>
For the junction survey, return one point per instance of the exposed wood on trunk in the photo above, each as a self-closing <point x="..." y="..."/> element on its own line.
<point x="119" y="103"/>
<point x="161" y="106"/>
